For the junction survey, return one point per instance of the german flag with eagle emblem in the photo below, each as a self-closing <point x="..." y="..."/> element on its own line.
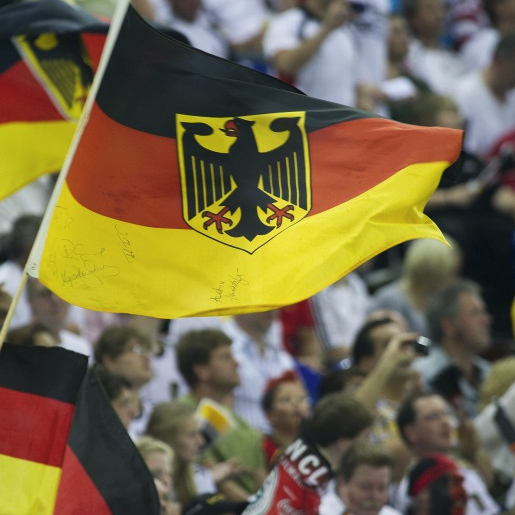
<point x="201" y="187"/>
<point x="49" y="51"/>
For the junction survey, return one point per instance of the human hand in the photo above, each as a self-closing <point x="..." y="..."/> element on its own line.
<point x="226" y="470"/>
<point x="337" y="13"/>
<point x="399" y="352"/>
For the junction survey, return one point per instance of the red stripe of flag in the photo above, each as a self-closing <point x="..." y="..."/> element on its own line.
<point x="338" y="150"/>
<point x="34" y="428"/>
<point x="77" y="490"/>
<point x="23" y="98"/>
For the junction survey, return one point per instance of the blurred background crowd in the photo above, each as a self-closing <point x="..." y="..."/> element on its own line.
<point x="421" y="336"/>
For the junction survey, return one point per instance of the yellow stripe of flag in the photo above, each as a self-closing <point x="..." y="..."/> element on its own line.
<point x="34" y="493"/>
<point x="123" y="267"/>
<point x="30" y="150"/>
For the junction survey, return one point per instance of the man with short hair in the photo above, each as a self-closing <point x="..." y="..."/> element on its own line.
<point x="362" y="482"/>
<point x="302" y="474"/>
<point x="426" y="424"/>
<point x="126" y="351"/>
<point x="459" y="326"/>
<point x="206" y="362"/>
<point x="385" y="351"/>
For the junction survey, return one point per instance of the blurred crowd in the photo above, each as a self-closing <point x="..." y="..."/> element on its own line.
<point x="391" y="391"/>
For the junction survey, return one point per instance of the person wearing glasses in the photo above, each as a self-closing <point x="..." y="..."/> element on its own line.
<point x="426" y="423"/>
<point x="127" y="351"/>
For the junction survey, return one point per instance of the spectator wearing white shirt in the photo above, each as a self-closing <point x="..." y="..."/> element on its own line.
<point x="362" y="481"/>
<point x="257" y="347"/>
<point x="486" y="99"/>
<point x="428" y="60"/>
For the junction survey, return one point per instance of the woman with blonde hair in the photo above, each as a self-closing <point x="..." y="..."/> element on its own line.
<point x="175" y="424"/>
<point x="159" y="458"/>
<point x="428" y="264"/>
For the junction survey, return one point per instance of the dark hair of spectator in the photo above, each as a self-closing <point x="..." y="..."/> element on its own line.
<point x="113" y="341"/>
<point x="195" y="348"/>
<point x="337" y="416"/>
<point x="363" y="453"/>
<point x="363" y="346"/>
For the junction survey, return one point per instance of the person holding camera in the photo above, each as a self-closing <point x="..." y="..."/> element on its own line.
<point x="385" y="351"/>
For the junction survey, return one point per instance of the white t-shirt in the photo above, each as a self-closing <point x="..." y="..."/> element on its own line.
<point x="238" y="21"/>
<point x="487" y="118"/>
<point x="439" y="68"/>
<point x="332" y="73"/>
<point x="478" y="50"/>
<point x="201" y="37"/>
<point x="332" y="504"/>
<point x="340" y="310"/>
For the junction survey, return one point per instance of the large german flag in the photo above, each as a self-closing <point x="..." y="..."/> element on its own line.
<point x="103" y="472"/>
<point x="200" y="187"/>
<point x="49" y="51"/>
<point x="38" y="390"/>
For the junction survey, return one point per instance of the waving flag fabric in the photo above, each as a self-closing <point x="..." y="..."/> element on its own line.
<point x="38" y="390"/>
<point x="200" y="187"/>
<point x="103" y="472"/>
<point x="48" y="53"/>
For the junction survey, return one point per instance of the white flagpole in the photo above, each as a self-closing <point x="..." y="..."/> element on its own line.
<point x="32" y="265"/>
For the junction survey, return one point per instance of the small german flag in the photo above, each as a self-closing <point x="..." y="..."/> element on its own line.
<point x="38" y="391"/>
<point x="49" y="51"/>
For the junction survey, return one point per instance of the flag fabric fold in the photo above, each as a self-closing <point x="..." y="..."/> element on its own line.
<point x="38" y="391"/>
<point x="103" y="472"/>
<point x="49" y="51"/>
<point x="200" y="187"/>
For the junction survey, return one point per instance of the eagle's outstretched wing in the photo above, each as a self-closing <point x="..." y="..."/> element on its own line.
<point x="285" y="173"/>
<point x="205" y="171"/>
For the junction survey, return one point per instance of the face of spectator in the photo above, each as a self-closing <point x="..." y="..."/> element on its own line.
<point x="189" y="440"/>
<point x="432" y="431"/>
<point x="505" y="13"/>
<point x="47" y="308"/>
<point x="126" y="405"/>
<point x="256" y="323"/>
<point x="133" y="363"/>
<point x="449" y="116"/>
<point x="471" y="325"/>
<point x="290" y="406"/>
<point x="160" y="467"/>
<point x="428" y="22"/>
<point x="185" y="9"/>
<point x="5" y="304"/>
<point x="222" y="369"/>
<point x="398" y="39"/>
<point x="381" y="337"/>
<point x="366" y="492"/>
<point x="506" y="71"/>
<point x="44" y="339"/>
